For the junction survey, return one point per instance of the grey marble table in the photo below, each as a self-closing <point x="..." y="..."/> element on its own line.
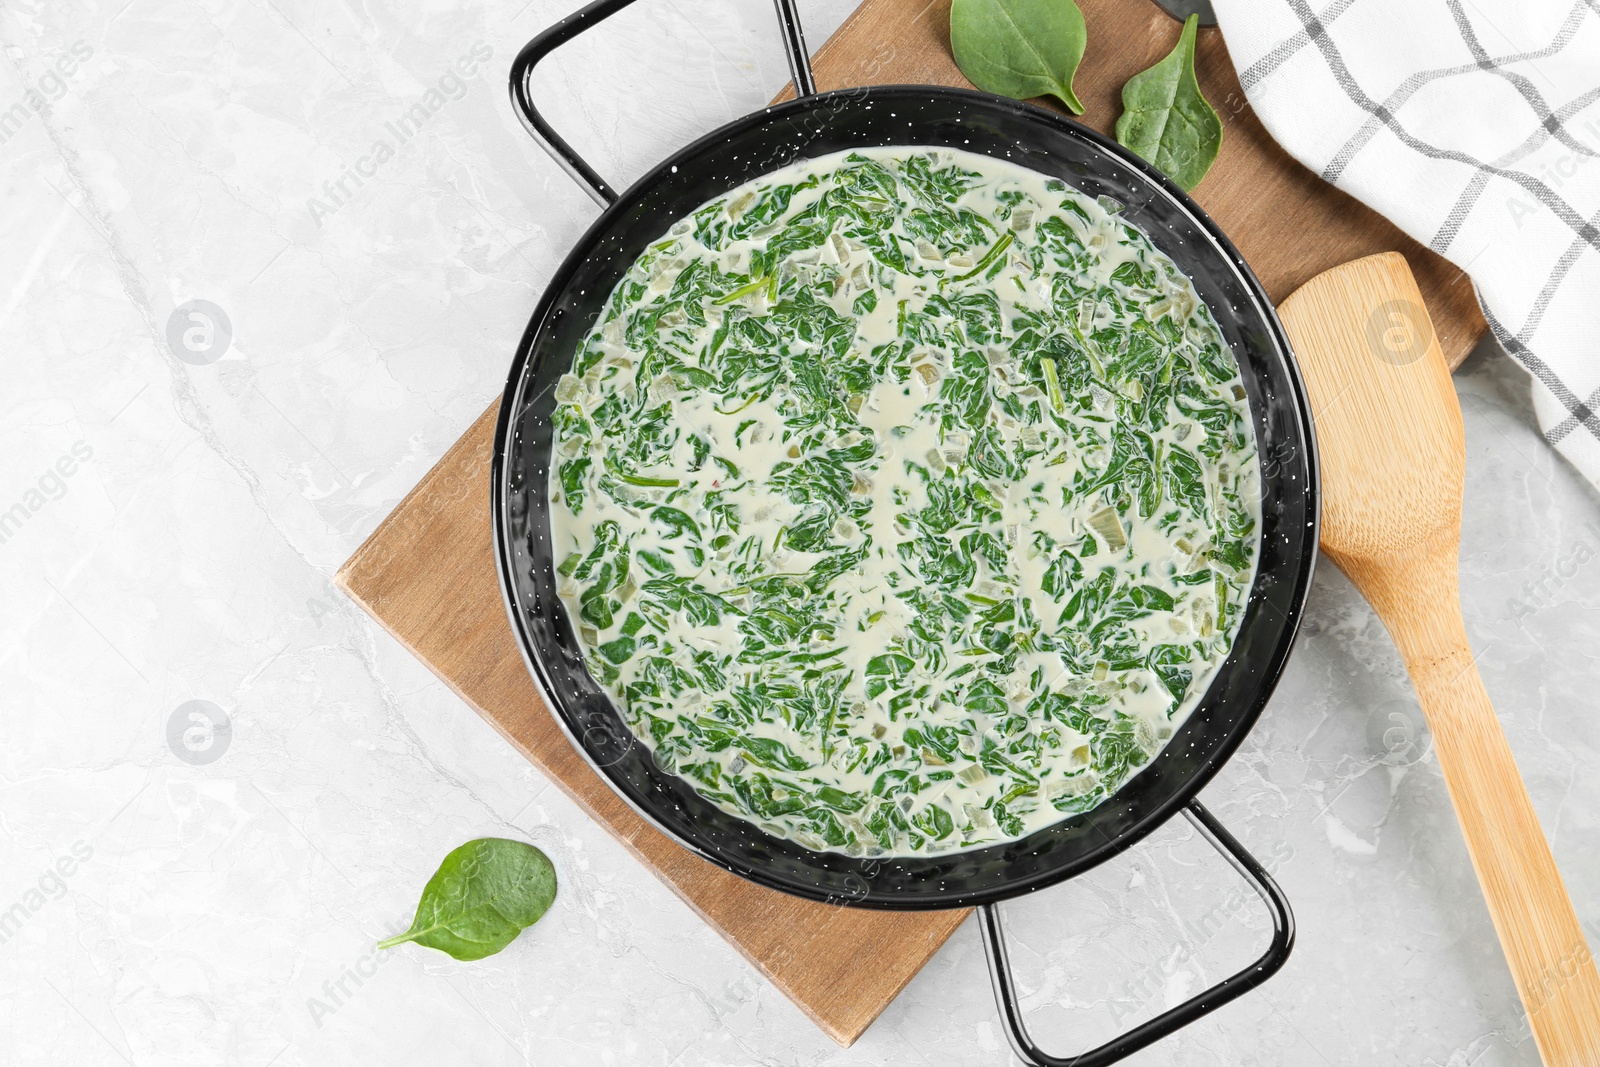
<point x="347" y="185"/>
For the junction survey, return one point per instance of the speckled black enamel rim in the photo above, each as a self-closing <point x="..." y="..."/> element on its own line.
<point x="1031" y="137"/>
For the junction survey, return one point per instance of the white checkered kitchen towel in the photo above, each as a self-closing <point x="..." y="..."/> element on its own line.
<point x="1475" y="126"/>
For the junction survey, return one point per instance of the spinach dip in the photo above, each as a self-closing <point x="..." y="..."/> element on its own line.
<point x="904" y="500"/>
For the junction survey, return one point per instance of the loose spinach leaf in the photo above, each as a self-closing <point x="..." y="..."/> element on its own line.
<point x="1020" y="48"/>
<point x="483" y="895"/>
<point x="1165" y="118"/>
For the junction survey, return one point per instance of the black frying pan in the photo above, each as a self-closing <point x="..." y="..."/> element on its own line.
<point x="817" y="124"/>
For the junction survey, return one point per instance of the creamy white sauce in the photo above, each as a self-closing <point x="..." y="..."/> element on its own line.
<point x="693" y="473"/>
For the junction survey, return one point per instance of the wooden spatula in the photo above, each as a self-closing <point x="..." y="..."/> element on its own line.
<point x="1388" y="428"/>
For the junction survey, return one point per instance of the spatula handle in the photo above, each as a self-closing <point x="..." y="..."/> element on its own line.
<point x="1544" y="945"/>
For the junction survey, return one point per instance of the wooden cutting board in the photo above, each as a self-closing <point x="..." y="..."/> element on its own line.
<point x="427" y="573"/>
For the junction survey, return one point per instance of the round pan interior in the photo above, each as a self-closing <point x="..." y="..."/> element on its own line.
<point x="1034" y="138"/>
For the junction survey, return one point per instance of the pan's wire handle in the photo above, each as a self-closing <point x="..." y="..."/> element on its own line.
<point x="794" y="44"/>
<point x="1005" y="986"/>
